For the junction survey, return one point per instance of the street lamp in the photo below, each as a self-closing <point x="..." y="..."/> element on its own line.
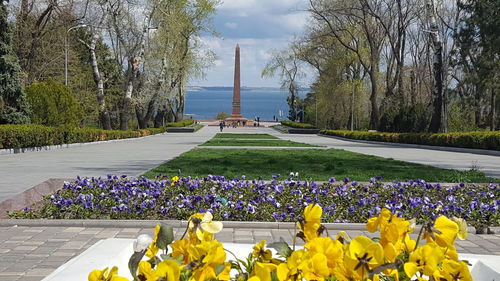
<point x="66" y="51"/>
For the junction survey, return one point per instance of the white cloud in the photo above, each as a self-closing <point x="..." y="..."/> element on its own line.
<point x="231" y="25"/>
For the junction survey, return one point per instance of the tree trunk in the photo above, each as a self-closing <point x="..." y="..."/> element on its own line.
<point x="437" y="103"/>
<point x="99" y="80"/>
<point x="126" y="107"/>
<point x="373" y="73"/>
<point x="160" y="116"/>
<point x="493" y="110"/>
<point x="179" y="113"/>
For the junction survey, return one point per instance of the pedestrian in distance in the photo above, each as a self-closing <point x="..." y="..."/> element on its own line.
<point x="221" y="125"/>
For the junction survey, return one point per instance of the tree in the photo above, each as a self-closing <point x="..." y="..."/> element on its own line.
<point x="13" y="105"/>
<point x="286" y="64"/>
<point x="53" y="104"/>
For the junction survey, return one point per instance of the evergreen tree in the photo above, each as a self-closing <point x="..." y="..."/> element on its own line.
<point x="13" y="104"/>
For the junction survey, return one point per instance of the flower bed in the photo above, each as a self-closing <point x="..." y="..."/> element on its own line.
<point x="21" y="136"/>
<point x="478" y="140"/>
<point x="392" y="256"/>
<point x="255" y="200"/>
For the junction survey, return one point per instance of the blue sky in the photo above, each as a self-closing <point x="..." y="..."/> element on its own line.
<point x="258" y="26"/>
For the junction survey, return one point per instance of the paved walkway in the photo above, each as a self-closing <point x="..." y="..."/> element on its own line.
<point x="31" y="253"/>
<point x="133" y="157"/>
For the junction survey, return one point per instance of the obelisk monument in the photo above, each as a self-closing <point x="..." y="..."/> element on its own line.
<point x="236" y="114"/>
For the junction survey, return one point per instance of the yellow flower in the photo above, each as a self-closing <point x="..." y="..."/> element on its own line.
<point x="424" y="259"/>
<point x="392" y="228"/>
<point x="224" y="275"/>
<point x="259" y="251"/>
<point x="263" y="270"/>
<point x="316" y="268"/>
<point x="362" y="256"/>
<point x="169" y="269"/>
<point x="147" y="271"/>
<point x="207" y="255"/>
<point x="290" y="268"/>
<point x="454" y="271"/>
<point x="174" y="180"/>
<point x="312" y="222"/>
<point x="104" y="275"/>
<point x="153" y="248"/>
<point x="331" y="249"/>
<point x="462" y="228"/>
<point x="445" y="232"/>
<point x="180" y="248"/>
<point x="203" y="221"/>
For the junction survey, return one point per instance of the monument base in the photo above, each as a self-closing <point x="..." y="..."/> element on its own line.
<point x="236" y="120"/>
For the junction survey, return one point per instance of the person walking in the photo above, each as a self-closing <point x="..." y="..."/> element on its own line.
<point x="221" y="125"/>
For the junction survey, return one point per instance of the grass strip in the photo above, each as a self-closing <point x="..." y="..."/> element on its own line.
<point x="256" y="142"/>
<point x="313" y="164"/>
<point x="243" y="136"/>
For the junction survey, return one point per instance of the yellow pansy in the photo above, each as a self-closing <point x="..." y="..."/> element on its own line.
<point x="181" y="248"/>
<point x="316" y="268"/>
<point x="446" y="233"/>
<point x="202" y="226"/>
<point x="169" y="269"/>
<point x="312" y="222"/>
<point x="259" y="251"/>
<point x="263" y="270"/>
<point x="208" y="255"/>
<point x="104" y="275"/>
<point x="454" y="271"/>
<point x="424" y="259"/>
<point x="290" y="268"/>
<point x="363" y="255"/>
<point x="210" y="226"/>
<point x="147" y="271"/>
<point x="462" y="228"/>
<point x="332" y="249"/>
<point x="174" y="180"/>
<point x="225" y="274"/>
<point x="153" y="248"/>
<point x="392" y="228"/>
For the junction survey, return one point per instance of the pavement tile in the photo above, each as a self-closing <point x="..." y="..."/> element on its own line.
<point x="40" y="272"/>
<point x="74" y="229"/>
<point x="33" y="230"/>
<point x="12" y="278"/>
<point x="74" y="245"/>
<point x="24" y="248"/>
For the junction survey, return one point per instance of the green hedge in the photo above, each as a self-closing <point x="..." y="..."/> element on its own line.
<point x="20" y="136"/>
<point x="182" y="123"/>
<point x="480" y="140"/>
<point x="297" y="125"/>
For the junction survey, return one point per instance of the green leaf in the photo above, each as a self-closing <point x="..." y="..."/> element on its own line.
<point x="165" y="236"/>
<point x="281" y="248"/>
<point x="219" y="268"/>
<point x="133" y="263"/>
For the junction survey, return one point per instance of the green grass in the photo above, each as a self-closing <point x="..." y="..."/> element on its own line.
<point x="243" y="136"/>
<point x="311" y="164"/>
<point x="256" y="142"/>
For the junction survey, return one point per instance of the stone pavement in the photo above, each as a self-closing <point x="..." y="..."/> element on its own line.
<point x="29" y="253"/>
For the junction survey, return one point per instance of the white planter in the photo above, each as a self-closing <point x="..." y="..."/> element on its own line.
<point x="116" y="252"/>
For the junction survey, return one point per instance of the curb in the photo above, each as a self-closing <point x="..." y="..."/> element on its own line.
<point x="7" y="151"/>
<point x="182" y="224"/>
<point x="422" y="146"/>
<point x="174" y="223"/>
<point x="264" y="147"/>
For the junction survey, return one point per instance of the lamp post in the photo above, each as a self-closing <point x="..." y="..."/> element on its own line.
<point x="66" y="51"/>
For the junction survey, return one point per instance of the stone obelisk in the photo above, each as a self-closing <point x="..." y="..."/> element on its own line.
<point x="236" y="114"/>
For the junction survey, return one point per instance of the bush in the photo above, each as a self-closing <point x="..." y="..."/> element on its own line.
<point x="53" y="104"/>
<point x="182" y="123"/>
<point x="297" y="125"/>
<point x="479" y="140"/>
<point x="21" y="136"/>
<point x="222" y="116"/>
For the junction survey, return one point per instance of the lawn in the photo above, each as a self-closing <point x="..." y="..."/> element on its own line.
<point x="255" y="142"/>
<point x="243" y="136"/>
<point x="313" y="164"/>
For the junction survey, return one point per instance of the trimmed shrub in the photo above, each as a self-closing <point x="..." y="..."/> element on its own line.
<point x="297" y="125"/>
<point x="478" y="140"/>
<point x="182" y="123"/>
<point x="53" y="104"/>
<point x="21" y="136"/>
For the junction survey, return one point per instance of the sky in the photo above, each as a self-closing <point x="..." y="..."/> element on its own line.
<point x="259" y="27"/>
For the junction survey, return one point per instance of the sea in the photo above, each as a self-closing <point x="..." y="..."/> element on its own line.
<point x="204" y="104"/>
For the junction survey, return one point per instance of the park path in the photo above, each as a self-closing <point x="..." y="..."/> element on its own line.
<point x="132" y="157"/>
<point x="488" y="164"/>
